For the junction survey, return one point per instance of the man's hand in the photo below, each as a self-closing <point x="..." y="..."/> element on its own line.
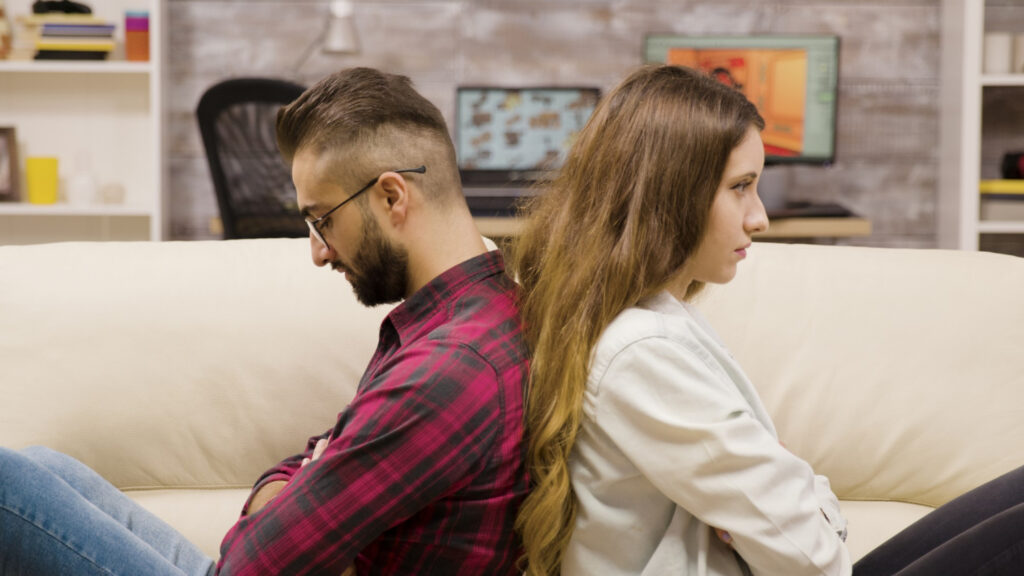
<point x="265" y="495"/>
<point x="270" y="490"/>
<point x="318" y="451"/>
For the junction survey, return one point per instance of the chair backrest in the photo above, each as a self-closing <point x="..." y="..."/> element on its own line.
<point x="254" y="187"/>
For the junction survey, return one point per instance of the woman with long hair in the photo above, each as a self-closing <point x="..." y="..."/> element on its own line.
<point x="650" y="451"/>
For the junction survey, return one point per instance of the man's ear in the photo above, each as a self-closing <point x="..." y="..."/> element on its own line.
<point x="394" y="191"/>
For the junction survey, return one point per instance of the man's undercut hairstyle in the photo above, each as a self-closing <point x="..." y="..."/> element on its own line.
<point x="374" y="122"/>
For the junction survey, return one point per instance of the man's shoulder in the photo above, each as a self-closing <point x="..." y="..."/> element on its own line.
<point x="483" y="308"/>
<point x="485" y="318"/>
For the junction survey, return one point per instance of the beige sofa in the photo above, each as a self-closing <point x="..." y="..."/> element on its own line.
<point x="180" y="371"/>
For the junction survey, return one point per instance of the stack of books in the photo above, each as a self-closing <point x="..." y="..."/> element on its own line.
<point x="1002" y="199"/>
<point x="66" y="36"/>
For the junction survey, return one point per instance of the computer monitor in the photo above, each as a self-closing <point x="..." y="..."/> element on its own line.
<point x="517" y="136"/>
<point x="791" y="79"/>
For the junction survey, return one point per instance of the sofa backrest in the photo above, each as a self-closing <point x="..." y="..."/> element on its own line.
<point x="897" y="373"/>
<point x="894" y="372"/>
<point x="200" y="363"/>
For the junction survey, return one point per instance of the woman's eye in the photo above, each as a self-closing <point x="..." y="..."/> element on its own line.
<point x="742" y="186"/>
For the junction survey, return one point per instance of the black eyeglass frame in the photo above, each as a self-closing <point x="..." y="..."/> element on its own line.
<point x="314" y="224"/>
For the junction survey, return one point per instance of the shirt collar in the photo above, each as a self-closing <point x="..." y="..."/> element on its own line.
<point x="426" y="308"/>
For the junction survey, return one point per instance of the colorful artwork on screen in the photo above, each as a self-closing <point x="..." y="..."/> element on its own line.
<point x="774" y="80"/>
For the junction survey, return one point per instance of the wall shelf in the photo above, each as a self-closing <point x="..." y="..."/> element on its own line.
<point x="24" y="209"/>
<point x="56" y="67"/>
<point x="1002" y="80"/>
<point x="1000" y="227"/>
<point x="102" y="116"/>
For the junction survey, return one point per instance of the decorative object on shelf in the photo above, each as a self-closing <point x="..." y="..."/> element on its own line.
<point x="1013" y="165"/>
<point x="5" y="32"/>
<point x="1018" y="54"/>
<point x="8" y="164"/>
<point x="998" y="48"/>
<point x="60" y="7"/>
<point x="81" y="185"/>
<point x="41" y="179"/>
<point x="136" y="36"/>
<point x="111" y="194"/>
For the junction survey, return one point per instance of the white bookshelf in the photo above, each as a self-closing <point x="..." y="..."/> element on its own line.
<point x="68" y="210"/>
<point x="963" y="31"/>
<point x="84" y="67"/>
<point x="107" y="114"/>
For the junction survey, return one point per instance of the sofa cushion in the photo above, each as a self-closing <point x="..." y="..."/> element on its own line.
<point x="896" y="373"/>
<point x="871" y="523"/>
<point x="178" y="364"/>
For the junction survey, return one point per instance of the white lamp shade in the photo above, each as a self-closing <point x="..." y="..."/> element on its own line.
<point x="341" y="29"/>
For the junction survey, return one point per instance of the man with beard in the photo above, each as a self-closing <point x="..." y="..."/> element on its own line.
<point x="423" y="471"/>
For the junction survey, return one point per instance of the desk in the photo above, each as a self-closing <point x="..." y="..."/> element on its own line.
<point x="845" y="227"/>
<point x="782" y="228"/>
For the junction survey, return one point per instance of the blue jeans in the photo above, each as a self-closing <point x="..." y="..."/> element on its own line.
<point x="57" y="516"/>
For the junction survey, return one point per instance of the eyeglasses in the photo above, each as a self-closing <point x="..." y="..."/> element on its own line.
<point x="314" y="225"/>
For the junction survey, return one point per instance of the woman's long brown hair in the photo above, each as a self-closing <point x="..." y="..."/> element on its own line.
<point x="629" y="206"/>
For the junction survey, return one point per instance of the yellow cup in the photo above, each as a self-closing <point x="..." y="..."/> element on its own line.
<point x="41" y="179"/>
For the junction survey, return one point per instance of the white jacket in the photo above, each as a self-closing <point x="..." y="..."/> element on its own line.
<point x="675" y="440"/>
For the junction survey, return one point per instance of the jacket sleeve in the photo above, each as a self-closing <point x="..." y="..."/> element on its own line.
<point x="683" y="423"/>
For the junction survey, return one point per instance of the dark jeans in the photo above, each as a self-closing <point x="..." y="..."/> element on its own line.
<point x="979" y="533"/>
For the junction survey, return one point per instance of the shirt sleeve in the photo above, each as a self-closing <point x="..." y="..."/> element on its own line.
<point x="683" y="423"/>
<point x="419" y="431"/>
<point x="283" y="470"/>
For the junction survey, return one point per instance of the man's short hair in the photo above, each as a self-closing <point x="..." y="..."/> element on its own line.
<point x="373" y="122"/>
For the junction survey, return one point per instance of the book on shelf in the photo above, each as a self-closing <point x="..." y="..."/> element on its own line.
<point x="71" y="55"/>
<point x="73" y="44"/>
<point x="1002" y="208"/>
<point x="78" y="30"/>
<point x="37" y="20"/>
<point x="1002" y="187"/>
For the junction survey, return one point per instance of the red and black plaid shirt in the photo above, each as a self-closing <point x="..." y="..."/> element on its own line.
<point x="424" y="471"/>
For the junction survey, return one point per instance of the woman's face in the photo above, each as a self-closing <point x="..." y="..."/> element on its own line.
<point x="736" y="214"/>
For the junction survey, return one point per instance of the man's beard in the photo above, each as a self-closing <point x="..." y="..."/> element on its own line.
<point x="382" y="269"/>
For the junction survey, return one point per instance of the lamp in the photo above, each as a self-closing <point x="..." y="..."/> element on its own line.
<point x="341" y="34"/>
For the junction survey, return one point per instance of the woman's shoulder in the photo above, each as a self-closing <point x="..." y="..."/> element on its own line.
<point x="655" y="320"/>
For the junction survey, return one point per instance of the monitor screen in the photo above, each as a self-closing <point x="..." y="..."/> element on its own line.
<point x="791" y="79"/>
<point x="517" y="135"/>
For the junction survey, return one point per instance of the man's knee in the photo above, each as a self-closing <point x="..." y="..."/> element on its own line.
<point x="42" y="455"/>
<point x="20" y="464"/>
<point x="13" y="464"/>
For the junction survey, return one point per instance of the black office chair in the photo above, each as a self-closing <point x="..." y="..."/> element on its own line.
<point x="254" y="186"/>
